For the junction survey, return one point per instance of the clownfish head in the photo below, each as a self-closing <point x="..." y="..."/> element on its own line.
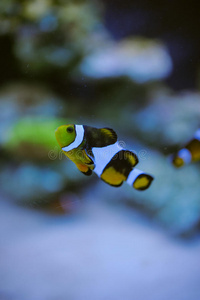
<point x="65" y="135"/>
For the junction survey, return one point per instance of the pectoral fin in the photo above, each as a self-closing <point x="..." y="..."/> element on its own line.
<point x="86" y="159"/>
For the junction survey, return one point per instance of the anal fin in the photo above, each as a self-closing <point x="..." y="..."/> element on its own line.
<point x="113" y="177"/>
<point x="119" y="167"/>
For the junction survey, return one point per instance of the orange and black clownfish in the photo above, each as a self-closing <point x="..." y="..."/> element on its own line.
<point x="98" y="150"/>
<point x="189" y="153"/>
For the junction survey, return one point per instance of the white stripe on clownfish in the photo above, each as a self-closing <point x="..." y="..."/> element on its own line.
<point x="133" y="175"/>
<point x="103" y="155"/>
<point x="78" y="140"/>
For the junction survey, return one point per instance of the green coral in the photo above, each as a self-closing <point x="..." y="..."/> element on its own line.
<point x="33" y="133"/>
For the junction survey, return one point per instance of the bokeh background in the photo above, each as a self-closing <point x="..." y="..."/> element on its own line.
<point x="129" y="65"/>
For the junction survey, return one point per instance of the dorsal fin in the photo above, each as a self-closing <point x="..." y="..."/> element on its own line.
<point x="99" y="137"/>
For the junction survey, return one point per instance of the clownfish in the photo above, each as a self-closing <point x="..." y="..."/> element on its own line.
<point x="189" y="153"/>
<point x="97" y="150"/>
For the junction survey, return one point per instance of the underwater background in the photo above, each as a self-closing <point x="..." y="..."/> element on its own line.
<point x="129" y="65"/>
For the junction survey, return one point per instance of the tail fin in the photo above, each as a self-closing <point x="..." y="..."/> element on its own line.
<point x="139" y="179"/>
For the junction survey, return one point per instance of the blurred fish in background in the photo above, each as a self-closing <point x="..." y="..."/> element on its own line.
<point x="189" y="153"/>
<point x="128" y="65"/>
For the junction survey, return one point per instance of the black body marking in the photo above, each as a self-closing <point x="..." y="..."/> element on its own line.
<point x="120" y="163"/>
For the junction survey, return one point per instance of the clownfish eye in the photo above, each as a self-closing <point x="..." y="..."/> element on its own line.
<point x="70" y="129"/>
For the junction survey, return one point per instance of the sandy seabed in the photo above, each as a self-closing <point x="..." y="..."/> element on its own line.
<point x="97" y="254"/>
